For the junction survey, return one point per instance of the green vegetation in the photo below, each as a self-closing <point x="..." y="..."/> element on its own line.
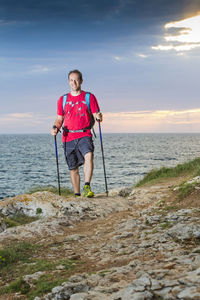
<point x="19" y="219"/>
<point x="190" y="168"/>
<point x="42" y="285"/>
<point x="185" y="189"/>
<point x="104" y="272"/>
<point x="52" y="189"/>
<point x="15" y="253"/>
<point x="45" y="284"/>
<point x="38" y="211"/>
<point x="170" y="208"/>
<point x="24" y="258"/>
<point x="197" y="251"/>
<point x="165" y="225"/>
<point x="18" y="285"/>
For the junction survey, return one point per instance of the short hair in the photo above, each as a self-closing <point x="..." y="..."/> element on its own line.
<point x="76" y="72"/>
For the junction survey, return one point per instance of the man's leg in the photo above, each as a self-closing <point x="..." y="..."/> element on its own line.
<point x="75" y="180"/>
<point x="88" y="166"/>
<point x="88" y="170"/>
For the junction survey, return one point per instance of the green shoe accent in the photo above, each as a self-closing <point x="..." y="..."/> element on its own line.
<point x="77" y="196"/>
<point x="87" y="192"/>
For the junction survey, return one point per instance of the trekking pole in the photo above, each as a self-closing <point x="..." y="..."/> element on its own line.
<point x="57" y="165"/>
<point x="102" y="152"/>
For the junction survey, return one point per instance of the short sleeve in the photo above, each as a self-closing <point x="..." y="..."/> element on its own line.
<point x="94" y="106"/>
<point x="60" y="106"/>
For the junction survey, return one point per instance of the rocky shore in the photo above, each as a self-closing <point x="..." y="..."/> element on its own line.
<point x="141" y="243"/>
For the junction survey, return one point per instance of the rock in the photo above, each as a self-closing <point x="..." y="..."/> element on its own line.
<point x="29" y="204"/>
<point x="189" y="293"/>
<point x="67" y="289"/>
<point x="78" y="296"/>
<point x="142" y="281"/>
<point x="50" y="205"/>
<point x="184" y="232"/>
<point x="29" y="278"/>
<point x="194" y="276"/>
<point x="124" y="235"/>
<point x="123" y="192"/>
<point x="130" y="294"/>
<point x="2" y="224"/>
<point x="194" y="180"/>
<point x="165" y="294"/>
<point x="60" y="267"/>
<point x="75" y="237"/>
<point x="155" y="285"/>
<point x="152" y="219"/>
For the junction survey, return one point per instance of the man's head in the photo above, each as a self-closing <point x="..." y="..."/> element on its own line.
<point x="75" y="80"/>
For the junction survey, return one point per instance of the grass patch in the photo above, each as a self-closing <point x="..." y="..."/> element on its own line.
<point x="18" y="220"/>
<point x="104" y="272"/>
<point x="18" y="285"/>
<point x="48" y="265"/>
<point x="165" y="225"/>
<point x="24" y="258"/>
<point x="170" y="207"/>
<point x="154" y="231"/>
<point x="45" y="282"/>
<point x="52" y="189"/>
<point x="191" y="167"/>
<point x="16" y="253"/>
<point x="186" y="189"/>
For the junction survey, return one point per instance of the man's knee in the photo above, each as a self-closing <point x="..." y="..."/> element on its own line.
<point x="74" y="172"/>
<point x="88" y="156"/>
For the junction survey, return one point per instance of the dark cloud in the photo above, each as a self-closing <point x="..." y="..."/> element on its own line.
<point x="90" y="10"/>
<point x="59" y="9"/>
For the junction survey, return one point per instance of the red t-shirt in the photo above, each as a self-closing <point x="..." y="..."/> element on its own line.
<point x="76" y="115"/>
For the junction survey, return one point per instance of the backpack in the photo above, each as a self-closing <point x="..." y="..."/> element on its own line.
<point x="92" y="120"/>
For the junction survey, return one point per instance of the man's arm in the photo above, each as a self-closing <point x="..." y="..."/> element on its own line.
<point x="57" y="124"/>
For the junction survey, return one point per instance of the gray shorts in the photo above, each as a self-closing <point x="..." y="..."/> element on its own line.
<point x="75" y="151"/>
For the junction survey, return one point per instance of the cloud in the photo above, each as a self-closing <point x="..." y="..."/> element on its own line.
<point x="3" y="22"/>
<point x="39" y="69"/>
<point x="181" y="35"/>
<point x="135" y="121"/>
<point x="142" y="55"/>
<point x="48" y="10"/>
<point x="153" y="121"/>
<point x="25" y="122"/>
<point x="118" y="58"/>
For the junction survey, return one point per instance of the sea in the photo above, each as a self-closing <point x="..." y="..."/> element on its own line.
<point x="29" y="160"/>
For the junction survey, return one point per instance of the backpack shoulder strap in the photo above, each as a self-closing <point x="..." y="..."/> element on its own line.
<point x="92" y="120"/>
<point x="87" y="100"/>
<point x="64" y="101"/>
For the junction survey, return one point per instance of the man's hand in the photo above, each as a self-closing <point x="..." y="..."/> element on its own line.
<point x="57" y="125"/>
<point x="54" y="130"/>
<point x="99" y="117"/>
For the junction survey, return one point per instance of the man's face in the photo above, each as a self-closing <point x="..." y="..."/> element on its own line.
<point x="74" y="82"/>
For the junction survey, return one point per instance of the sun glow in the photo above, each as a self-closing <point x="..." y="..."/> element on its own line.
<point x="153" y="121"/>
<point x="183" y="35"/>
<point x="133" y="121"/>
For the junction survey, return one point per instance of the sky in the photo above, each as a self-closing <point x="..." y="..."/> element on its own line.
<point x="140" y="58"/>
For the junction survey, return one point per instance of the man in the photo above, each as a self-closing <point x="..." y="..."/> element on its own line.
<point x="77" y="138"/>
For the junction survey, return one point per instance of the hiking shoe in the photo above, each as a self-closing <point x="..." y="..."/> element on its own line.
<point x="77" y="196"/>
<point x="87" y="192"/>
